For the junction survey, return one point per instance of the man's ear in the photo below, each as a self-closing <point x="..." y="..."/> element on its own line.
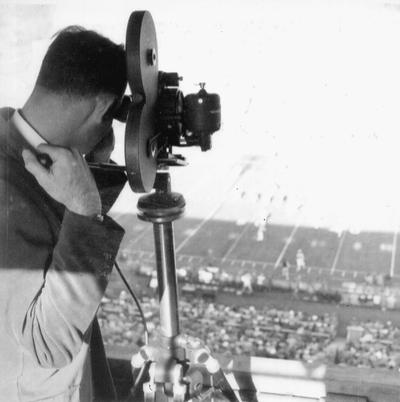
<point x="105" y="105"/>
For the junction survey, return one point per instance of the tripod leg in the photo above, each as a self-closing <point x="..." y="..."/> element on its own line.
<point x="140" y="377"/>
<point x="221" y="383"/>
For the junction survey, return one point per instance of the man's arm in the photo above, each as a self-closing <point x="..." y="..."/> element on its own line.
<point x="50" y="313"/>
<point x="57" y="282"/>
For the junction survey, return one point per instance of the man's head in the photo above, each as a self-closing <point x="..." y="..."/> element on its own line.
<point x="81" y="81"/>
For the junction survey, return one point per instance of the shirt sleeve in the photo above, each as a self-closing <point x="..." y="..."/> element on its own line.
<point x="54" y="284"/>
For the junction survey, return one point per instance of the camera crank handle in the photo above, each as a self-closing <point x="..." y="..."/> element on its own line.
<point x="46" y="162"/>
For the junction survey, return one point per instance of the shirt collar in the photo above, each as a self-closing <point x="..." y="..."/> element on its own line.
<point x="27" y="131"/>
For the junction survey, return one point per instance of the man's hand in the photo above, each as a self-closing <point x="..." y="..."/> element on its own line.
<point x="102" y="151"/>
<point x="68" y="180"/>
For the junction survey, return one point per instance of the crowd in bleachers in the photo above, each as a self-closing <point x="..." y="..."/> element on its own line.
<point x="120" y="321"/>
<point x="227" y="329"/>
<point x="371" y="345"/>
<point x="266" y="333"/>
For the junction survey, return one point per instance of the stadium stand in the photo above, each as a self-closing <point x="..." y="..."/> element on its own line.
<point x="229" y="330"/>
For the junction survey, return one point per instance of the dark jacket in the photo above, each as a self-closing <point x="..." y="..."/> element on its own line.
<point x="54" y="269"/>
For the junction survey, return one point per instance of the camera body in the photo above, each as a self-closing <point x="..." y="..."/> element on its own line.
<point x="186" y="120"/>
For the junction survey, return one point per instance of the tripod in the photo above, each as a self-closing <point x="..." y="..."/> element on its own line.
<point x="174" y="367"/>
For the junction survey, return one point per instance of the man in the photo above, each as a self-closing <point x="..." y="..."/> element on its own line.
<point x="246" y="279"/>
<point x="57" y="245"/>
<point x="300" y="260"/>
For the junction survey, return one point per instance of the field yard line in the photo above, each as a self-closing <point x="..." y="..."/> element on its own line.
<point x="285" y="247"/>
<point x="393" y="259"/>
<point x="234" y="244"/>
<point x="201" y="224"/>
<point x="338" y="251"/>
<point x="215" y="210"/>
<point x="142" y="234"/>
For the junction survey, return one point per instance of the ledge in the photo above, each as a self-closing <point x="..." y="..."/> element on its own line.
<point x="284" y="380"/>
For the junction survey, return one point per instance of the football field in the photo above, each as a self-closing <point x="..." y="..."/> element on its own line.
<point x="239" y="248"/>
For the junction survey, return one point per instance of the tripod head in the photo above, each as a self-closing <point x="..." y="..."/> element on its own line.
<point x="158" y="116"/>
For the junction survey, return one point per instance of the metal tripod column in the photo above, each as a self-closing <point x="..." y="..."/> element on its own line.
<point x="161" y="208"/>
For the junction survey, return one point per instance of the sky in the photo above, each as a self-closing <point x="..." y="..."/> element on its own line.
<point x="311" y="89"/>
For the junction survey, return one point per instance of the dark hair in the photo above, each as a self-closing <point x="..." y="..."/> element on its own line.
<point x="84" y="63"/>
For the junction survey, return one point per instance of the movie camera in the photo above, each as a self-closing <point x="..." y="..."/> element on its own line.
<point x="157" y="114"/>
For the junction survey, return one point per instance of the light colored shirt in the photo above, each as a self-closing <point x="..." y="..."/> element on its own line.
<point x="27" y="131"/>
